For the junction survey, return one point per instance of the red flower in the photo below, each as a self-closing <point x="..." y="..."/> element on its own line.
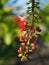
<point x="22" y="23"/>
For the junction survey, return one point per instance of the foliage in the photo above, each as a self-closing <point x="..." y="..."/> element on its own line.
<point x="45" y="21"/>
<point x="8" y="30"/>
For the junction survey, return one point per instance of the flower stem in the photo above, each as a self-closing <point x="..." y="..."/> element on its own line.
<point x="33" y="13"/>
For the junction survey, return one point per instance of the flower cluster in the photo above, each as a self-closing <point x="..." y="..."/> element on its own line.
<point x="29" y="38"/>
<point x="28" y="42"/>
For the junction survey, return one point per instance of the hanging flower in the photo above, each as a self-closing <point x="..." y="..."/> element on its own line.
<point x="22" y="23"/>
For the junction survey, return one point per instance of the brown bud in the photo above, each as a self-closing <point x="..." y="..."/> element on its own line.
<point x="23" y="44"/>
<point x="31" y="50"/>
<point x="32" y="44"/>
<point x="25" y="40"/>
<point x="26" y="47"/>
<point x="21" y="48"/>
<point x="30" y="37"/>
<point x="26" y="50"/>
<point x="19" y="55"/>
<point x="18" y="51"/>
<point x="25" y="58"/>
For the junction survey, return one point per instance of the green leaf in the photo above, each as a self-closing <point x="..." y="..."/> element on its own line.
<point x="8" y="39"/>
<point x="18" y="32"/>
<point x="3" y="29"/>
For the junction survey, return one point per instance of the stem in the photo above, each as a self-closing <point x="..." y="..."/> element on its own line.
<point x="33" y="13"/>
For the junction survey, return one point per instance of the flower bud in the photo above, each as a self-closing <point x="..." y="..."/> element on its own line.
<point x="31" y="50"/>
<point x="32" y="44"/>
<point x="19" y="55"/>
<point x="38" y="35"/>
<point x="26" y="50"/>
<point x="38" y="29"/>
<point x="30" y="37"/>
<point x="21" y="48"/>
<point x="34" y="48"/>
<point x="23" y="44"/>
<point x="32" y="31"/>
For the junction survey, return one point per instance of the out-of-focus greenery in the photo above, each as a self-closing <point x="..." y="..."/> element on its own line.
<point x="8" y="32"/>
<point x="45" y="22"/>
<point x="7" y="24"/>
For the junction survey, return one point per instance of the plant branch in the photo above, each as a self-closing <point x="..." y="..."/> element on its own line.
<point x="33" y="13"/>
